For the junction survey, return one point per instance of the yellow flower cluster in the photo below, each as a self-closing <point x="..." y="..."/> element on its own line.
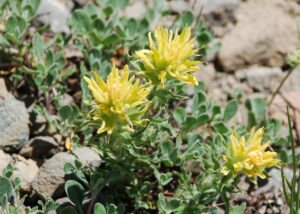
<point x="249" y="157"/>
<point x="119" y="101"/>
<point x="169" y="58"/>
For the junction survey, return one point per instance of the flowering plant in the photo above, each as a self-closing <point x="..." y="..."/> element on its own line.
<point x="168" y="58"/>
<point x="249" y="157"/>
<point x="118" y="101"/>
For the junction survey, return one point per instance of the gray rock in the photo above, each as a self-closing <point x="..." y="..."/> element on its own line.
<point x="261" y="78"/>
<point x="274" y="183"/>
<point x="135" y="10"/>
<point x="51" y="178"/>
<point x="88" y="156"/>
<point x="56" y="13"/>
<point x="265" y="32"/>
<point x="14" y="120"/>
<point x="217" y="12"/>
<point x="40" y="147"/>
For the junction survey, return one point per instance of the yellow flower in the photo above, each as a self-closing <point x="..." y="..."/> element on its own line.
<point x="169" y="58"/>
<point x="249" y="157"/>
<point x="119" y="102"/>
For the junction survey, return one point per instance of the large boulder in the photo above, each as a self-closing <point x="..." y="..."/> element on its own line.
<point x="14" y="120"/>
<point x="265" y="32"/>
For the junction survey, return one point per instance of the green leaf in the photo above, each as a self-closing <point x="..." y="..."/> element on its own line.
<point x="113" y="38"/>
<point x="220" y="127"/>
<point x="258" y="107"/>
<point x="69" y="168"/>
<point x="179" y="115"/>
<point x="75" y="192"/>
<point x="99" y="25"/>
<point x="173" y="204"/>
<point x="283" y="154"/>
<point x="81" y="22"/>
<point x="251" y="120"/>
<point x="238" y="209"/>
<point x="16" y="26"/>
<point x="38" y="46"/>
<point x="99" y="209"/>
<point x="8" y="171"/>
<point x="120" y="208"/>
<point x="65" y="112"/>
<point x="163" y="178"/>
<point x="69" y="210"/>
<point x="52" y="76"/>
<point x="68" y="72"/>
<point x="230" y="110"/>
<point x="6" y="188"/>
<point x="108" y="11"/>
<point x="185" y="19"/>
<point x="4" y="41"/>
<point x="213" y="210"/>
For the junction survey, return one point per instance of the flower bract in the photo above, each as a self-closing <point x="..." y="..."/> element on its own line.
<point x="168" y="57"/>
<point x="119" y="102"/>
<point x="249" y="157"/>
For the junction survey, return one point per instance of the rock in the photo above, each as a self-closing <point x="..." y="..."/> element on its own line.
<point x="261" y="78"/>
<point x="38" y="124"/>
<point x="56" y="12"/>
<point x="26" y="170"/>
<point x="223" y="88"/>
<point x="14" y="120"/>
<point x="40" y="147"/>
<point x="274" y="183"/>
<point x="217" y="12"/>
<point x="88" y="156"/>
<point x="3" y="89"/>
<point x="267" y="79"/>
<point x="5" y="159"/>
<point x="179" y="6"/>
<point x="51" y="177"/>
<point x="66" y="99"/>
<point x="136" y="9"/>
<point x="206" y="73"/>
<point x="263" y="35"/>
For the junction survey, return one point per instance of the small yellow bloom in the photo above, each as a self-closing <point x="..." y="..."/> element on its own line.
<point x="119" y="102"/>
<point x="249" y="157"/>
<point x="168" y="59"/>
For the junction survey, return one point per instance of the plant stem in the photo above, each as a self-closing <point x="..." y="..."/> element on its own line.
<point x="89" y="211"/>
<point x="289" y="72"/>
<point x="294" y="163"/>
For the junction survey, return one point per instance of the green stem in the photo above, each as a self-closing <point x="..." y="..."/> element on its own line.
<point x="289" y="72"/>
<point x="294" y="164"/>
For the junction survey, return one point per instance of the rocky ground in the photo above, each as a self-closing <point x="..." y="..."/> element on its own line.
<point x="256" y="36"/>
